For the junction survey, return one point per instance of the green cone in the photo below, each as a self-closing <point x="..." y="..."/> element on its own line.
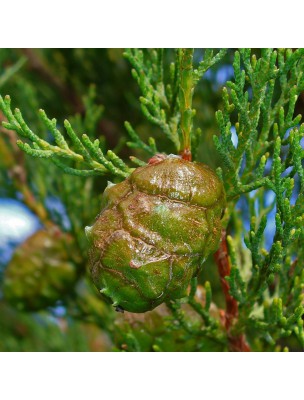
<point x="40" y="271"/>
<point x="154" y="232"/>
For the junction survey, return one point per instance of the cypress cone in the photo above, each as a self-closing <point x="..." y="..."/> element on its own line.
<point x="40" y="271"/>
<point x="154" y="231"/>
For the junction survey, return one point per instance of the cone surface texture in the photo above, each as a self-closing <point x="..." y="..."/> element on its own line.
<point x="154" y="231"/>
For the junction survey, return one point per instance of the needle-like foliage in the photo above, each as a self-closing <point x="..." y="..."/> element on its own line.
<point x="251" y="297"/>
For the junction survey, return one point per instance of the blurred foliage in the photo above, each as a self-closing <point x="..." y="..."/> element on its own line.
<point x="95" y="91"/>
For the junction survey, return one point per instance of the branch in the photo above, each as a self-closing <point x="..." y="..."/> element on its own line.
<point x="85" y="153"/>
<point x="185" y="101"/>
<point x="238" y="342"/>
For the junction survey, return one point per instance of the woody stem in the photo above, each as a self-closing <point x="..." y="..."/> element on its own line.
<point x="236" y="342"/>
<point x="185" y="100"/>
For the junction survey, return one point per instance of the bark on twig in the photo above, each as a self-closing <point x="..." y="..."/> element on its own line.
<point x="230" y="315"/>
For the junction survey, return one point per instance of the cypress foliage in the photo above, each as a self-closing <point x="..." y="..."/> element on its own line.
<point x="116" y="109"/>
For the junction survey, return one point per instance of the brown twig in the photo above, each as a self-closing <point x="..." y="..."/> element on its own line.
<point x="230" y="315"/>
<point x="17" y="172"/>
<point x="186" y="155"/>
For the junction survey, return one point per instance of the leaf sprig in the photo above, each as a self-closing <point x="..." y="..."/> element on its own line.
<point x="260" y="116"/>
<point x="83" y="157"/>
<point x="167" y="103"/>
<point x="158" y="102"/>
<point x="266" y="156"/>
